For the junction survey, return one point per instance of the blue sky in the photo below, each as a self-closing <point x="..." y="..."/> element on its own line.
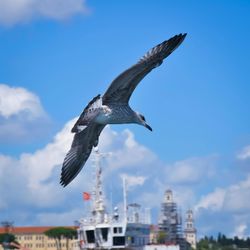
<point x="57" y="55"/>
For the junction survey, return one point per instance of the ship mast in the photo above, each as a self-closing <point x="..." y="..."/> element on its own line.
<point x="99" y="208"/>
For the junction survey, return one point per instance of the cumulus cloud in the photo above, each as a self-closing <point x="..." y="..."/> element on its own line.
<point x="16" y="11"/>
<point x="244" y="154"/>
<point x="20" y="113"/>
<point x="19" y="101"/>
<point x="237" y="196"/>
<point x="191" y="170"/>
<point x="228" y="206"/>
<point x="213" y="201"/>
<point x="24" y="177"/>
<point x="128" y="152"/>
<point x="32" y="179"/>
<point x="240" y="230"/>
<point x="234" y="198"/>
<point x="63" y="218"/>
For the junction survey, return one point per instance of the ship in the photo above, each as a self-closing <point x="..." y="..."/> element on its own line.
<point x="128" y="229"/>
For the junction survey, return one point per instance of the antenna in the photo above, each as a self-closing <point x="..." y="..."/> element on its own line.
<point x="125" y="199"/>
<point x="147" y="215"/>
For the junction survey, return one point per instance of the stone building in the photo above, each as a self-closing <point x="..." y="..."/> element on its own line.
<point x="190" y="230"/>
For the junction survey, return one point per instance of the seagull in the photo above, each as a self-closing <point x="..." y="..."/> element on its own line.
<point x="112" y="108"/>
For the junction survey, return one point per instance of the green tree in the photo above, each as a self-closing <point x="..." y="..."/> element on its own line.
<point x="219" y="238"/>
<point x="69" y="234"/>
<point x="203" y="244"/>
<point x="6" y="239"/>
<point x="161" y="237"/>
<point x="57" y="233"/>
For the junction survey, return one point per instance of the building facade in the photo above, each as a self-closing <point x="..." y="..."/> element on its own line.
<point x="33" y="238"/>
<point x="190" y="230"/>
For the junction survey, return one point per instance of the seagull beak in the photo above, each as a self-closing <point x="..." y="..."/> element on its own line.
<point x="148" y="127"/>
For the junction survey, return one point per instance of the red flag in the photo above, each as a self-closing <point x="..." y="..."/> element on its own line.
<point x="86" y="196"/>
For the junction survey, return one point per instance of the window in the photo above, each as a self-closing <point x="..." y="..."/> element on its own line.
<point x="117" y="230"/>
<point x="119" y="241"/>
<point x="104" y="232"/>
<point x="90" y="236"/>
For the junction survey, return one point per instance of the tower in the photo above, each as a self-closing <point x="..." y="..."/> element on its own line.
<point x="190" y="230"/>
<point x="169" y="223"/>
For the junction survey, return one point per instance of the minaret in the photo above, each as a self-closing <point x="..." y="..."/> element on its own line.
<point x="190" y="230"/>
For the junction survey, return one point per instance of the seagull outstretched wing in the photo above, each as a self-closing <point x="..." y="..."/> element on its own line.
<point x="81" y="148"/>
<point x="123" y="86"/>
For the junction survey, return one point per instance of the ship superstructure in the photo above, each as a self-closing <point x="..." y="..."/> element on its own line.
<point x="103" y="230"/>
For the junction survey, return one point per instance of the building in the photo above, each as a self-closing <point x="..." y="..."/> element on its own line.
<point x="34" y="238"/>
<point x="169" y="222"/>
<point x="190" y="230"/>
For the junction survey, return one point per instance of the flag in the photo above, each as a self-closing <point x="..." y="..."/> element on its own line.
<point x="86" y="196"/>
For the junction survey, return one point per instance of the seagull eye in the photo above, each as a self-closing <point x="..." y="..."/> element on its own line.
<point x="142" y="117"/>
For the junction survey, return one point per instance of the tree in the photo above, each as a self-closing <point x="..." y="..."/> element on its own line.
<point x="69" y="234"/>
<point x="203" y="244"/>
<point x="161" y="237"/>
<point x="6" y="239"/>
<point x="58" y="232"/>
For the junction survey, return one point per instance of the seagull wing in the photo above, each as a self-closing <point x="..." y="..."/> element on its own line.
<point x="88" y="114"/>
<point x="81" y="148"/>
<point x="123" y="86"/>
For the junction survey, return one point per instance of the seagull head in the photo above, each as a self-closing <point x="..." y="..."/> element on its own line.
<point x="142" y="121"/>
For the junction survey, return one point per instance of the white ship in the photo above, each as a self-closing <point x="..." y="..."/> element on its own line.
<point x="102" y="230"/>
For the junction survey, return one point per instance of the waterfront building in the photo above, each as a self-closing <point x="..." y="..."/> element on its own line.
<point x="33" y="238"/>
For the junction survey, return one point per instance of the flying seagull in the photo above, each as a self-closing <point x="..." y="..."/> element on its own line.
<point x="112" y="108"/>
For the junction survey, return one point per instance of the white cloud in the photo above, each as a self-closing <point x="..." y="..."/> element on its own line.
<point x="39" y="165"/>
<point x="32" y="179"/>
<point x="59" y="218"/>
<point x="25" y="177"/>
<point x="228" y="208"/>
<point x="213" y="201"/>
<point x="240" y="230"/>
<point x="244" y="154"/>
<point x="191" y="170"/>
<point x="21" y="115"/>
<point x="16" y="11"/>
<point x="126" y="151"/>
<point x="237" y="197"/>
<point x="16" y="100"/>
<point x="234" y="198"/>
